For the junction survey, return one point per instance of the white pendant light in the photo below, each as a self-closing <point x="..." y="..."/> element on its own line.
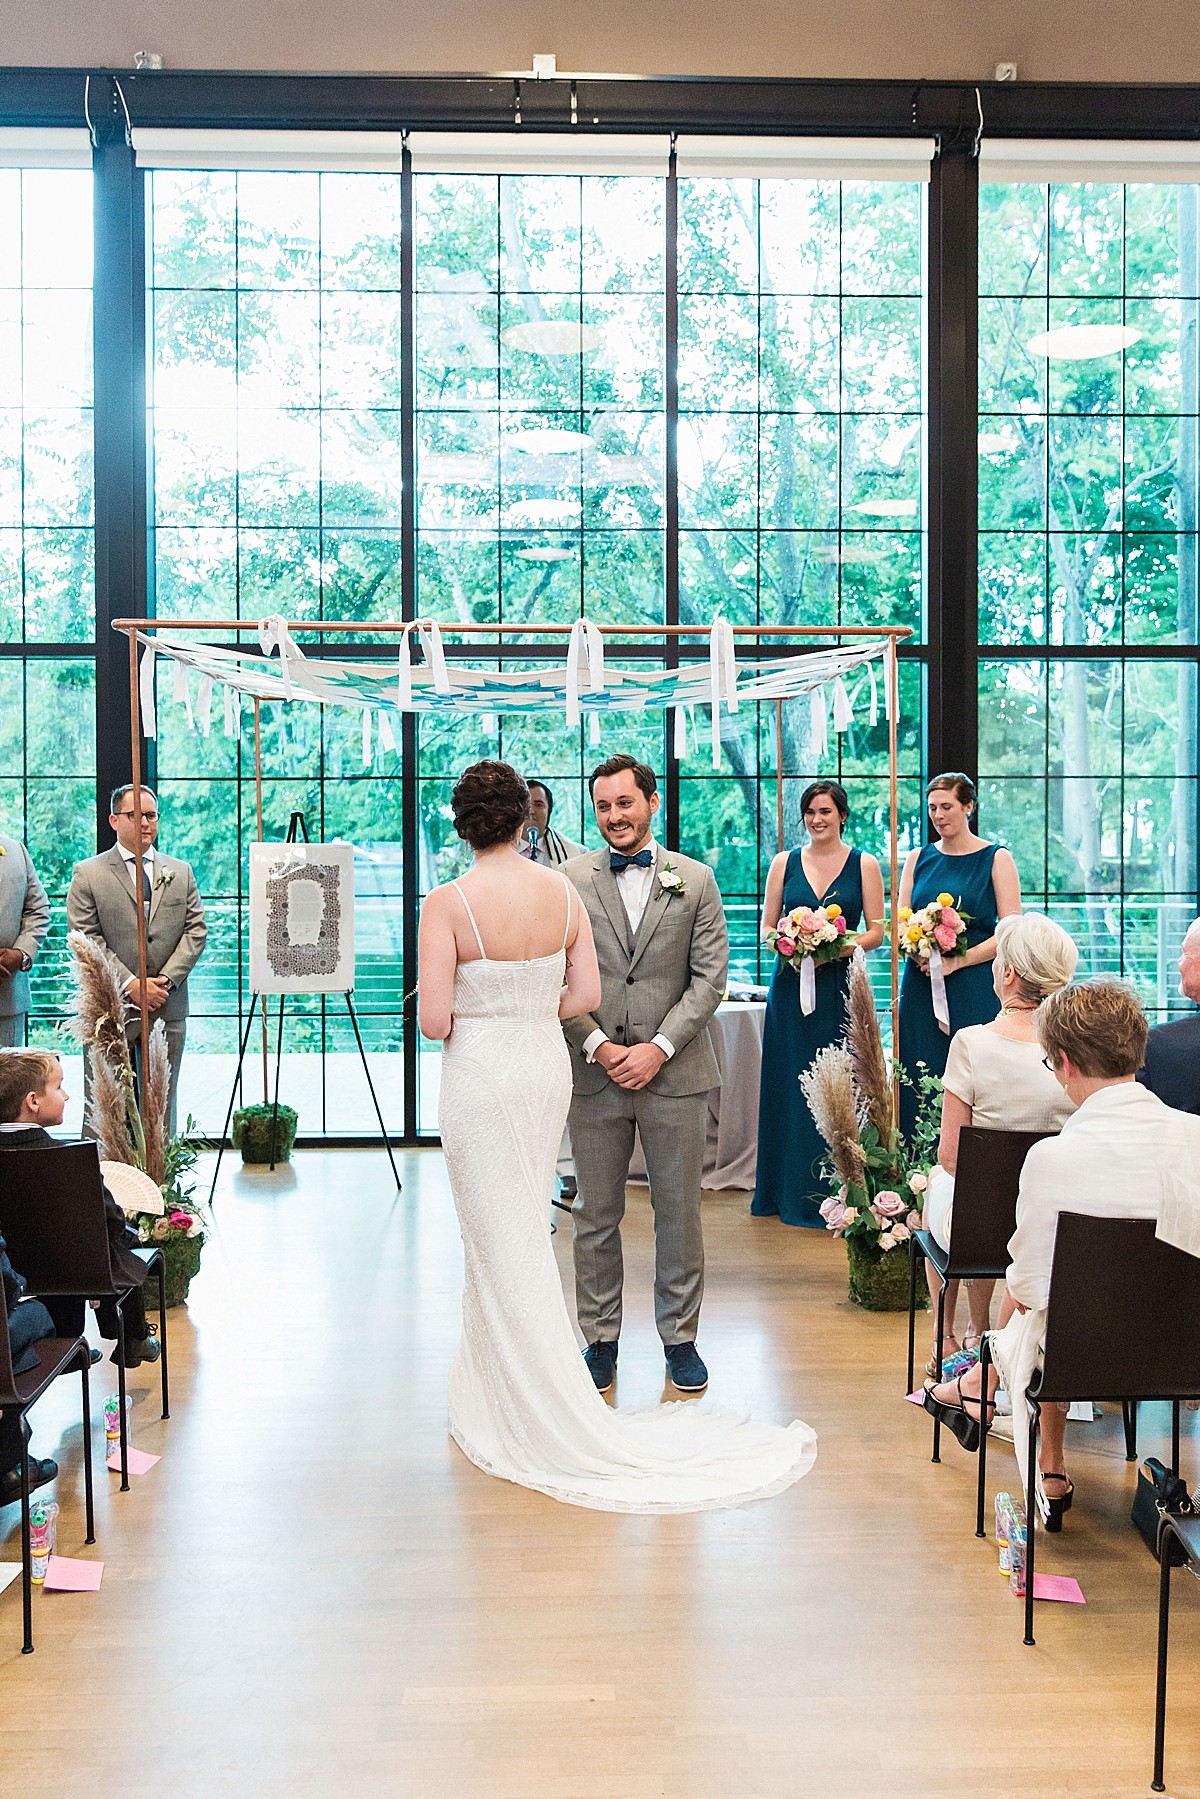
<point x="549" y="440"/>
<point x="886" y="508"/>
<point x="552" y="337"/>
<point x="1076" y="343"/>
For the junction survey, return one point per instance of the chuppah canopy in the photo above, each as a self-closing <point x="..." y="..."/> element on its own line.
<point x="383" y="682"/>
<point x="585" y="682"/>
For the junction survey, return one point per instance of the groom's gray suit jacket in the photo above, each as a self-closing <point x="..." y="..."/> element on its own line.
<point x="669" y="978"/>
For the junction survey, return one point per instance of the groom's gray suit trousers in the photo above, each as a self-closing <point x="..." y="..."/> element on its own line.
<point x="672" y="1129"/>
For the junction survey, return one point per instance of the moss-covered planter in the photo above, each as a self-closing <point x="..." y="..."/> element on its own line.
<point x="879" y="1278"/>
<point x="252" y="1134"/>
<point x="181" y="1255"/>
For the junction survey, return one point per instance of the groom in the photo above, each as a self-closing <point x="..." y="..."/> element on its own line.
<point x="643" y="1062"/>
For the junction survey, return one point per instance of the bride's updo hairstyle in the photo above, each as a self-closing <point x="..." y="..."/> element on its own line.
<point x="1038" y="951"/>
<point x="491" y="803"/>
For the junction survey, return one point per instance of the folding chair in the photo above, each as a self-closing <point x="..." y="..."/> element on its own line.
<point x="18" y="1392"/>
<point x="52" y="1215"/>
<point x="1123" y="1322"/>
<point x="984" y="1218"/>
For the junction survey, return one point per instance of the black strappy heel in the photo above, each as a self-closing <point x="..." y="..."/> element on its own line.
<point x="1055" y="1508"/>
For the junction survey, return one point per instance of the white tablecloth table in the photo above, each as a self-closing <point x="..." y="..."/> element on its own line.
<point x="731" y="1146"/>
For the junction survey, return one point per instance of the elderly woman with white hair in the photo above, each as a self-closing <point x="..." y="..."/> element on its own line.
<point x="996" y="1078"/>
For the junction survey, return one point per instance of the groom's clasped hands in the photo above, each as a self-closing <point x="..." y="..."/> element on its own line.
<point x="632" y="1066"/>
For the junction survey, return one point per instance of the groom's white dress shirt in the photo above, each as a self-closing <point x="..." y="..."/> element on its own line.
<point x="1106" y="1162"/>
<point x="634" y="886"/>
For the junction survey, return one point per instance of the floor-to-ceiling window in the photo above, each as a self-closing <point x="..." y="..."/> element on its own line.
<point x="541" y="307"/>
<point x="801" y="461"/>
<point x="1089" y="389"/>
<point x="47" y="611"/>
<point x="275" y="459"/>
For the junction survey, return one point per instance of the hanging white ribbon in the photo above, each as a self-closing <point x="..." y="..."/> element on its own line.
<point x="366" y="737"/>
<point x="680" y="728"/>
<point x="818" y="736"/>
<point x="146" y="693"/>
<point x="179" y="691"/>
<point x="387" y="737"/>
<point x="585" y="649"/>
<point x="722" y="676"/>
<point x="843" y="710"/>
<point x="233" y="714"/>
<point x="204" y="704"/>
<point x="594" y="729"/>
<point x="937" y="980"/>
<point x="874" y="696"/>
<point x="889" y="679"/>
<point x="808" y="986"/>
<point x="429" y="633"/>
<point x="273" y="635"/>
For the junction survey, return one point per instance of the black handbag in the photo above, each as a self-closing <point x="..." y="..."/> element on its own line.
<point x="1159" y="1491"/>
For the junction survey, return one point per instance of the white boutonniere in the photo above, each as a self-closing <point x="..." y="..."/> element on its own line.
<point x="164" y="878"/>
<point x="670" y="881"/>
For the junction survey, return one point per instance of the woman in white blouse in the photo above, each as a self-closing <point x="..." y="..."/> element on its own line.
<point x="996" y="1078"/>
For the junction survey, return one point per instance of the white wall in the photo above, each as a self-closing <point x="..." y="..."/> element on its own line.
<point x="1051" y="40"/>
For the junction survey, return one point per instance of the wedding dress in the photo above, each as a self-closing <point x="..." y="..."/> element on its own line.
<point x="523" y="1405"/>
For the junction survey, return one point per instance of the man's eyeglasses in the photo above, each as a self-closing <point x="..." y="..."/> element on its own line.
<point x="148" y="818"/>
<point x="1047" y="1063"/>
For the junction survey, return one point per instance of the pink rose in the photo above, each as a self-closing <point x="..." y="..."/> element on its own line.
<point x="913" y="1221"/>
<point x="809" y="921"/>
<point x="918" y="1182"/>
<point x="834" y="1213"/>
<point x="888" y="1205"/>
<point x="886" y="1241"/>
<point x="180" y="1220"/>
<point x="951" y="918"/>
<point x="784" y="927"/>
<point x="786" y="946"/>
<point x="945" y="936"/>
<point x="839" y="925"/>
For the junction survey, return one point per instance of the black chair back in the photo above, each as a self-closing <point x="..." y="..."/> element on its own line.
<point x="52" y="1215"/>
<point x="986" y="1179"/>
<point x="1123" y="1321"/>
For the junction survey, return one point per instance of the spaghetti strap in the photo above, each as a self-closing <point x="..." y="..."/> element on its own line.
<point x="567" y="926"/>
<point x="466" y="902"/>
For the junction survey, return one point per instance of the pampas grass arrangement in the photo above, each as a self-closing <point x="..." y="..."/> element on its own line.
<point x="864" y="1044"/>
<point x="828" y="1086"/>
<point x="99" y="1026"/>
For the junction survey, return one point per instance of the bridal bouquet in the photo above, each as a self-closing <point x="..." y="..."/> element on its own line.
<point x="806" y="936"/>
<point x="930" y="934"/>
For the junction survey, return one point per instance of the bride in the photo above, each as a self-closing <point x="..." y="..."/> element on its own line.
<point x="506" y="953"/>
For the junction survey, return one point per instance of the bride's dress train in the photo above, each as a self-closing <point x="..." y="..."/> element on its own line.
<point x="522" y="1403"/>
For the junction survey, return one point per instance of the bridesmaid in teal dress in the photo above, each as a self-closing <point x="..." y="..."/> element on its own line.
<point x="825" y="872"/>
<point x="982" y="879"/>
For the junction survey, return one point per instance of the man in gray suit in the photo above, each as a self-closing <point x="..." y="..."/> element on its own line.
<point x="644" y="1061"/>
<point x="24" y="921"/>
<point x="102" y="903"/>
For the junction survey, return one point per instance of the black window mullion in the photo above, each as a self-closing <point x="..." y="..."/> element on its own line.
<point x="671" y="476"/>
<point x="409" y="823"/>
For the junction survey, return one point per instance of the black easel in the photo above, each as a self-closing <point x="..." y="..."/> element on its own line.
<point x="296" y="828"/>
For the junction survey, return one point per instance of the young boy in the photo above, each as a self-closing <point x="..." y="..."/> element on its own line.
<point x="28" y="1323"/>
<point x="33" y="1098"/>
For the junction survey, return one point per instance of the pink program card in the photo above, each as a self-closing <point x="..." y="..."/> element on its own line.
<point x="917" y="1398"/>
<point x="69" y="1576"/>
<point x="139" y="1461"/>
<point x="1058" y="1586"/>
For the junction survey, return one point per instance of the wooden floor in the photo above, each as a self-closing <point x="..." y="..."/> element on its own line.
<point x="314" y="1593"/>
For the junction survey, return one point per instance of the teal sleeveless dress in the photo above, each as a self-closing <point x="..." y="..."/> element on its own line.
<point x="790" y="1147"/>
<point x="969" y="991"/>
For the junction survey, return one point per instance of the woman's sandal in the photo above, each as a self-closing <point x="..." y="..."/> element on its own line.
<point x="933" y="1368"/>
<point x="957" y="1418"/>
<point x="1056" y="1507"/>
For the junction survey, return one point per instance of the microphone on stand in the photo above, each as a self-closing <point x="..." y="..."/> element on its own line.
<point x="531" y="840"/>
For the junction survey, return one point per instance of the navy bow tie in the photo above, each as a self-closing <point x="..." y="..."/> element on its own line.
<point x="618" y="863"/>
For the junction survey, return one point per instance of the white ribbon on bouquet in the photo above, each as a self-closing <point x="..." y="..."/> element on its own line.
<point x="808" y="986"/>
<point x="937" y="980"/>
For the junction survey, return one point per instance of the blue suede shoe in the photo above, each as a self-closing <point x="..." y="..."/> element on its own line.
<point x="601" y="1359"/>
<point x="685" y="1368"/>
